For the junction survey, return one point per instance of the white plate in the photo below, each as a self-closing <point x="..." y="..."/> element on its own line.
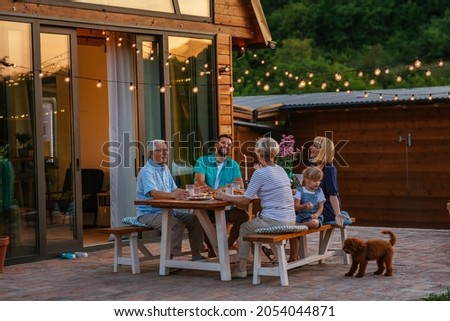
<point x="200" y="198"/>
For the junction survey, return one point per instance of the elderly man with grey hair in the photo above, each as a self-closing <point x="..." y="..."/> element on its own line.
<point x="155" y="181"/>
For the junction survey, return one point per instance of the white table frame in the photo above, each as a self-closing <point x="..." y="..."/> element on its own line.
<point x="217" y="235"/>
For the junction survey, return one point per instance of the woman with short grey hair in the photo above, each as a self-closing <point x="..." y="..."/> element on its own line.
<point x="272" y="185"/>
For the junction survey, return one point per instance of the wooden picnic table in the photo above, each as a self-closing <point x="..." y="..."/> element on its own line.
<point x="217" y="235"/>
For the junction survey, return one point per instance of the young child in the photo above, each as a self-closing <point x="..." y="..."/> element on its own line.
<point x="309" y="200"/>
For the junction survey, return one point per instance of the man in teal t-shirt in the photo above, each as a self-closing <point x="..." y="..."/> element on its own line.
<point x="216" y="170"/>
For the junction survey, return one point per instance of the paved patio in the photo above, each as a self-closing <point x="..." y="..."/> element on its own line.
<point x="421" y="267"/>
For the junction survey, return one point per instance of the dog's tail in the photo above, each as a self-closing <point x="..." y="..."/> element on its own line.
<point x="392" y="235"/>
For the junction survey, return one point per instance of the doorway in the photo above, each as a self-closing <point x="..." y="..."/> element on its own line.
<point x="93" y="116"/>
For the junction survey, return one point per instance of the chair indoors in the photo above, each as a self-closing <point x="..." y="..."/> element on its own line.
<point x="92" y="184"/>
<point x="61" y="201"/>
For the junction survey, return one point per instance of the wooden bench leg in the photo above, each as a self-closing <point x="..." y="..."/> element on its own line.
<point x="257" y="262"/>
<point x="324" y="241"/>
<point x="134" y="253"/>
<point x="118" y="244"/>
<point x="345" y="256"/>
<point x="303" y="249"/>
<point x="282" y="263"/>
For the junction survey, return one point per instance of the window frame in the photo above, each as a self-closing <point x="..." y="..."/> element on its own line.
<point x="106" y="8"/>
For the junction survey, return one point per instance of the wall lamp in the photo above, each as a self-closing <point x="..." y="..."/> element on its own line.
<point x="224" y="70"/>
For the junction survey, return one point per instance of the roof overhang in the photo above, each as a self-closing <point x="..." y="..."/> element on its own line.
<point x="262" y="22"/>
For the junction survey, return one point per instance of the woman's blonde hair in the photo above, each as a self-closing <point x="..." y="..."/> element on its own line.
<point x="267" y="148"/>
<point x="312" y="173"/>
<point x="326" y="150"/>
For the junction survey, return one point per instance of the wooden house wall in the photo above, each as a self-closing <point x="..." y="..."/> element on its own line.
<point x="232" y="20"/>
<point x="382" y="181"/>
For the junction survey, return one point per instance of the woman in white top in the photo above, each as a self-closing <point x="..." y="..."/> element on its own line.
<point x="272" y="185"/>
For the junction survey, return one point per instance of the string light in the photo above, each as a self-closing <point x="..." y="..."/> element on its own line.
<point x="417" y="63"/>
<point x="99" y="84"/>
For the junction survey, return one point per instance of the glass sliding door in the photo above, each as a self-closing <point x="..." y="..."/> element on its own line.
<point x="61" y="166"/>
<point x="192" y="103"/>
<point x="18" y="201"/>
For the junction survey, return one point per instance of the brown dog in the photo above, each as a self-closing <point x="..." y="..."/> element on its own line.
<point x="363" y="251"/>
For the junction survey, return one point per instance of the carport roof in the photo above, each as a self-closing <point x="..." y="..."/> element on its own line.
<point x="374" y="97"/>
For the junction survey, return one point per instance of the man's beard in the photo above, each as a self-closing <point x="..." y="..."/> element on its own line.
<point x="222" y="152"/>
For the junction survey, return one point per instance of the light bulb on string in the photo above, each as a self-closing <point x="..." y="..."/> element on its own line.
<point x="412" y="97"/>
<point x="99" y="84"/>
<point x="372" y="82"/>
<point x="337" y="76"/>
<point x="360" y="74"/>
<point x="324" y="85"/>
<point x="430" y="97"/>
<point x="346" y="83"/>
<point x="266" y="87"/>
<point x="411" y="68"/>
<point x="302" y="84"/>
<point x="387" y="71"/>
<point x="399" y="78"/>
<point x="440" y="63"/>
<point x="417" y="63"/>
<point x="396" y="97"/>
<point x="131" y="87"/>
<point x="195" y="89"/>
<point x="67" y="79"/>
<point x="231" y="89"/>
<point x="162" y="89"/>
<point x="377" y="71"/>
<point x="428" y="73"/>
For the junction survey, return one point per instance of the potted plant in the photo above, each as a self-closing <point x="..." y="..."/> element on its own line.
<point x="24" y="140"/>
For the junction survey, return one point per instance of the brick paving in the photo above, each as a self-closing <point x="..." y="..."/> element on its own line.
<point x="421" y="267"/>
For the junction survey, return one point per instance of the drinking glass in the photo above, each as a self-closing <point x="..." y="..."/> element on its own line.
<point x="191" y="189"/>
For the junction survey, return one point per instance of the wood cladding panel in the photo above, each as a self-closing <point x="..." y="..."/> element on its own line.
<point x="239" y="27"/>
<point x="382" y="182"/>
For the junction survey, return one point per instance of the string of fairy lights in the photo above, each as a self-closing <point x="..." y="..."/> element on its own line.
<point x="187" y="73"/>
<point x="340" y="81"/>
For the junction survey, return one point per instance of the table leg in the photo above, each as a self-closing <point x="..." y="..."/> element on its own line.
<point x="166" y="237"/>
<point x="222" y="245"/>
<point x="209" y="229"/>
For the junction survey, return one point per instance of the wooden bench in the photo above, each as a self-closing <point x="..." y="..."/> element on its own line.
<point x="134" y="234"/>
<point x="279" y="241"/>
